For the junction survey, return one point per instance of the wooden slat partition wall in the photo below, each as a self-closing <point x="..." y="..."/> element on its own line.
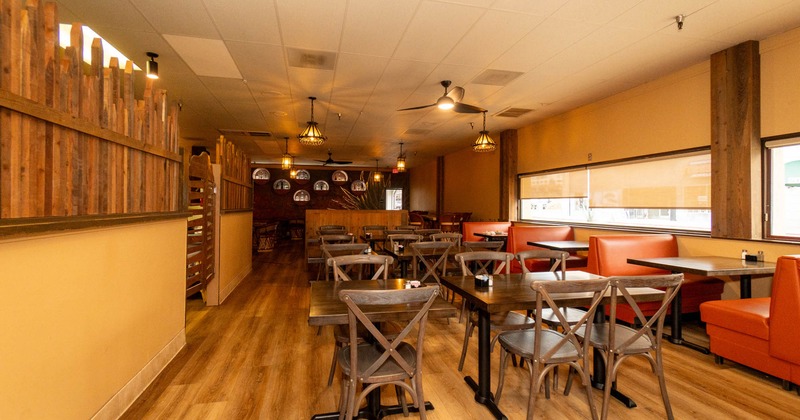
<point x="200" y="250"/>
<point x="73" y="140"/>
<point x="237" y="184"/>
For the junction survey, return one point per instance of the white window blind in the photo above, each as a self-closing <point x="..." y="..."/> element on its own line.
<point x="568" y="184"/>
<point x="682" y="182"/>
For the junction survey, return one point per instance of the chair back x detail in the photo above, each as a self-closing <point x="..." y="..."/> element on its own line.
<point x="482" y="262"/>
<point x="545" y="349"/>
<point x="355" y="264"/>
<point x="433" y="256"/>
<point x="384" y="361"/>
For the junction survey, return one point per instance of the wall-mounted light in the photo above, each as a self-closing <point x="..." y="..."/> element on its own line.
<point x="377" y="176"/>
<point x="152" y="66"/>
<point x="401" y="160"/>
<point x="484" y="143"/>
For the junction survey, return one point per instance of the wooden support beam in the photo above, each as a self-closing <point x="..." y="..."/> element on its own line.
<point x="735" y="142"/>
<point x="508" y="176"/>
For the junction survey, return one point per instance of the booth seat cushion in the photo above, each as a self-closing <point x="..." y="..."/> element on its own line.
<point x="468" y="229"/>
<point x="748" y="316"/>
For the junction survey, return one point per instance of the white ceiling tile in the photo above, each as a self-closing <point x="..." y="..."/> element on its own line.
<point x="97" y="14"/>
<point x="245" y="20"/>
<point x="492" y="35"/>
<point x="365" y="18"/>
<point x="542" y="43"/>
<point x="206" y="57"/>
<point x="593" y="11"/>
<point x="538" y="8"/>
<point x="310" y="24"/>
<point x="178" y="17"/>
<point x="435" y="29"/>
<point x="225" y="89"/>
<point x="259" y="62"/>
<point x="359" y="71"/>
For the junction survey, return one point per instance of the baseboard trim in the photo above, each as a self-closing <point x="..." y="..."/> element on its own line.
<point x="119" y="403"/>
<point x="235" y="282"/>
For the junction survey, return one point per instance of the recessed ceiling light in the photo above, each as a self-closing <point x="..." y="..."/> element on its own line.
<point x="279" y="113"/>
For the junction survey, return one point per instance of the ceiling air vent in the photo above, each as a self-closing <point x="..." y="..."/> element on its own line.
<point x="244" y="133"/>
<point x="496" y="77"/>
<point x="513" y="112"/>
<point x="416" y="132"/>
<point x="308" y="59"/>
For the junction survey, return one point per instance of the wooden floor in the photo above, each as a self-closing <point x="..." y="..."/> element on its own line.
<point x="256" y="357"/>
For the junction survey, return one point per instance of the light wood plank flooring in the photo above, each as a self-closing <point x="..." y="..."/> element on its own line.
<point x="256" y="357"/>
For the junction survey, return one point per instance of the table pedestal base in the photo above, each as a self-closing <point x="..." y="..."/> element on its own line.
<point x="487" y="401"/>
<point x="366" y="413"/>
<point x="624" y="399"/>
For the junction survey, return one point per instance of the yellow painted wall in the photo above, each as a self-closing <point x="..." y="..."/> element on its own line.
<point x="235" y="250"/>
<point x="780" y="90"/>
<point x="422" y="185"/>
<point x="83" y="312"/>
<point x="472" y="183"/>
<point x="670" y="113"/>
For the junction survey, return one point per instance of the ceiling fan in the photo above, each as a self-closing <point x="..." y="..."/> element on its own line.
<point x="330" y="160"/>
<point x="451" y="100"/>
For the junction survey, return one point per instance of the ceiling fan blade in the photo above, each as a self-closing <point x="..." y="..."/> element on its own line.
<point x="417" y="107"/>
<point x="456" y="94"/>
<point x="342" y="162"/>
<point x="467" y="109"/>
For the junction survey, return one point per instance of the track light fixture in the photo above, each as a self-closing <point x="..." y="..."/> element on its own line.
<point x="152" y="66"/>
<point x="484" y="143"/>
<point x="311" y="136"/>
<point x="679" y="21"/>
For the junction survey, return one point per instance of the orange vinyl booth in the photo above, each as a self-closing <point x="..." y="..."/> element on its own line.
<point x="608" y="256"/>
<point x="761" y="332"/>
<point x="469" y="229"/>
<point x="519" y="236"/>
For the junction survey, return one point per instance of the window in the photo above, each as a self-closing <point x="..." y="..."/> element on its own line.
<point x="665" y="192"/>
<point x="394" y="199"/>
<point x="783" y="187"/>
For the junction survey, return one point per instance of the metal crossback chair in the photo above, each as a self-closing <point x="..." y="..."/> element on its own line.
<point x="384" y="360"/>
<point x="433" y="256"/>
<point x="426" y="233"/>
<point x="500" y="321"/>
<point x="544" y="349"/>
<point x="341" y="265"/>
<point x="558" y="262"/>
<point x="336" y="238"/>
<point x="447" y="236"/>
<point x="331" y="230"/>
<point x="355" y="264"/>
<point x="335" y="250"/>
<point x="620" y="342"/>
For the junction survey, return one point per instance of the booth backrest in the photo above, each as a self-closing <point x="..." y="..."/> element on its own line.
<point x="519" y="236"/>
<point x="608" y="254"/>
<point x="784" y="315"/>
<point x="468" y="229"/>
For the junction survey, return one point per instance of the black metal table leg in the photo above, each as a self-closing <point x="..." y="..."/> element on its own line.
<point x="676" y="326"/>
<point x="744" y="286"/>
<point x="599" y="366"/>
<point x="483" y="394"/>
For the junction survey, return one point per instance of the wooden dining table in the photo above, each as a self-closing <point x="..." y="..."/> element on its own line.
<point x="513" y="292"/>
<point x="704" y="266"/>
<point x="325" y="308"/>
<point x="568" y="246"/>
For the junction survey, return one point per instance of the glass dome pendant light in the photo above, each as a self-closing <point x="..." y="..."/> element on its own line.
<point x="377" y="176"/>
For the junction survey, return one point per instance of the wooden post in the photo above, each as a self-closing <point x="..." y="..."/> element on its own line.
<point x="508" y="176"/>
<point x="735" y="142"/>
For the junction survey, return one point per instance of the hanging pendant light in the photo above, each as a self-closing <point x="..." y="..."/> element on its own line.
<point x="401" y="160"/>
<point x="484" y="143"/>
<point x="377" y="176"/>
<point x="287" y="160"/>
<point x="293" y="173"/>
<point x="311" y="136"/>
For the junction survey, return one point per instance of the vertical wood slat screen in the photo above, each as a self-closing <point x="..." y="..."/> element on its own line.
<point x="73" y="139"/>
<point x="237" y="183"/>
<point x="200" y="250"/>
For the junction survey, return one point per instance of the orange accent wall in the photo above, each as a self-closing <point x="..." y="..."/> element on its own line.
<point x="422" y="194"/>
<point x="472" y="183"/>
